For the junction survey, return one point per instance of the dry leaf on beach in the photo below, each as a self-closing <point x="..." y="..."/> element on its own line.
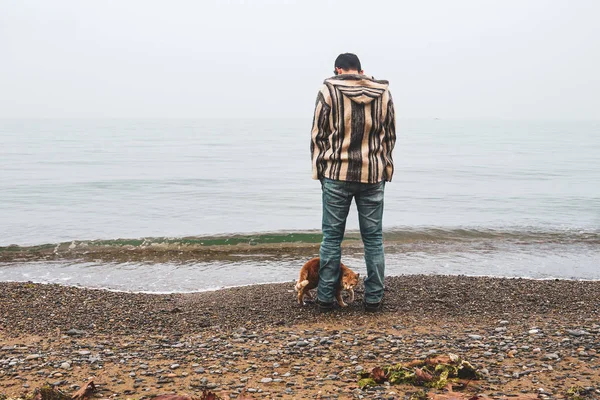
<point x="86" y="392"/>
<point x="378" y="375"/>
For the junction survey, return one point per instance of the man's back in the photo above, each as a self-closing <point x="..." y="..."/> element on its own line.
<point x="353" y="136"/>
<point x="353" y="130"/>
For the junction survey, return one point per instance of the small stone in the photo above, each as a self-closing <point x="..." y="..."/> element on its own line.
<point x="266" y="380"/>
<point x="503" y="322"/>
<point x="33" y="357"/>
<point x="551" y="356"/>
<point x="577" y="332"/>
<point x="75" y="332"/>
<point x="302" y="343"/>
<point x="533" y="331"/>
<point x="84" y="353"/>
<point x="475" y="337"/>
<point x="65" y="365"/>
<point x="174" y="366"/>
<point x="276" y="365"/>
<point x="500" y="329"/>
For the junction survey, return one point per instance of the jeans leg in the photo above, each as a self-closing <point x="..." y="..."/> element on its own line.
<point x="369" y="202"/>
<point x="336" y="204"/>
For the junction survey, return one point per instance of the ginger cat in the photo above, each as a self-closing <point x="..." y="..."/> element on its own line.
<point x="309" y="279"/>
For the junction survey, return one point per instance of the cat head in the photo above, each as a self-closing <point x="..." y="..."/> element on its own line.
<point x="349" y="279"/>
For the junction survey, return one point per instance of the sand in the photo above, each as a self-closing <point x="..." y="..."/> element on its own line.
<point x="528" y="338"/>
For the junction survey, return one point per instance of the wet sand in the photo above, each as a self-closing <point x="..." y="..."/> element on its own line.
<point x="529" y="338"/>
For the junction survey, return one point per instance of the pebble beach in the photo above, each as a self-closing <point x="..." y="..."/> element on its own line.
<point x="528" y="338"/>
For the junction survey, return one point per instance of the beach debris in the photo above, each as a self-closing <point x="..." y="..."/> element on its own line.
<point x="579" y="393"/>
<point x="206" y="395"/>
<point x="438" y="372"/>
<point x="450" y="395"/>
<point x="85" y="392"/>
<point x="49" y="392"/>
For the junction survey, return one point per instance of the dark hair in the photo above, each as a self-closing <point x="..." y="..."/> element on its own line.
<point x="348" y="61"/>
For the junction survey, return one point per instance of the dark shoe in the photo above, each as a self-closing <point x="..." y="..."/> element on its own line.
<point x="324" y="306"/>
<point x="373" y="307"/>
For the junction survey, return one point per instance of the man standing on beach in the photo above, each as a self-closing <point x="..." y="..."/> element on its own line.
<point x="353" y="136"/>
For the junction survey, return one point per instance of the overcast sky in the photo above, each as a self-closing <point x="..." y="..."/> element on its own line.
<point x="509" y="59"/>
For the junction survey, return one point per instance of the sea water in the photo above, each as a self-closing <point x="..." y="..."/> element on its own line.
<point x="486" y="197"/>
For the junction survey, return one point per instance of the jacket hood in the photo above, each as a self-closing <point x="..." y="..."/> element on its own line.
<point x="361" y="89"/>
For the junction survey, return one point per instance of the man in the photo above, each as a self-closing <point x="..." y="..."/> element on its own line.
<point x="353" y="136"/>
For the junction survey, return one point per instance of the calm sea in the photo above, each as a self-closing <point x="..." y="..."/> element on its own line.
<point x="501" y="198"/>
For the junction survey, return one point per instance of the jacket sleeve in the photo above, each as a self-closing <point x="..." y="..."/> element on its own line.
<point x="319" y="136"/>
<point x="390" y="138"/>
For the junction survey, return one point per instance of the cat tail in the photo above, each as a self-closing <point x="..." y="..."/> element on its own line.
<point x="300" y="285"/>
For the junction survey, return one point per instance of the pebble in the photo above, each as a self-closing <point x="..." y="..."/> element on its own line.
<point x="550" y="356"/>
<point x="65" y="365"/>
<point x="326" y="354"/>
<point x="577" y="332"/>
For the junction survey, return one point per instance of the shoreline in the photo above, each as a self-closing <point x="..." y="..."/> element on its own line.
<point x="290" y="282"/>
<point x="265" y="245"/>
<point x="527" y="335"/>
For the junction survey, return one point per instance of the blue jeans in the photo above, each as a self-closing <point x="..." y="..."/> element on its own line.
<point x="337" y="197"/>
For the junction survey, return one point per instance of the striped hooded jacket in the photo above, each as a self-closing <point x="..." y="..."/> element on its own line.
<point x="354" y="130"/>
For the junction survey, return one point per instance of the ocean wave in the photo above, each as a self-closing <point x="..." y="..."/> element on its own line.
<point x="262" y="242"/>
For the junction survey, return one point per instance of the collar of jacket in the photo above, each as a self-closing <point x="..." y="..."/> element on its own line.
<point x="357" y="77"/>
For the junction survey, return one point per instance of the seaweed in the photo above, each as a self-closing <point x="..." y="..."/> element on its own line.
<point x="436" y="372"/>
<point x="420" y="395"/>
<point x="366" y="382"/>
<point x="578" y="393"/>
